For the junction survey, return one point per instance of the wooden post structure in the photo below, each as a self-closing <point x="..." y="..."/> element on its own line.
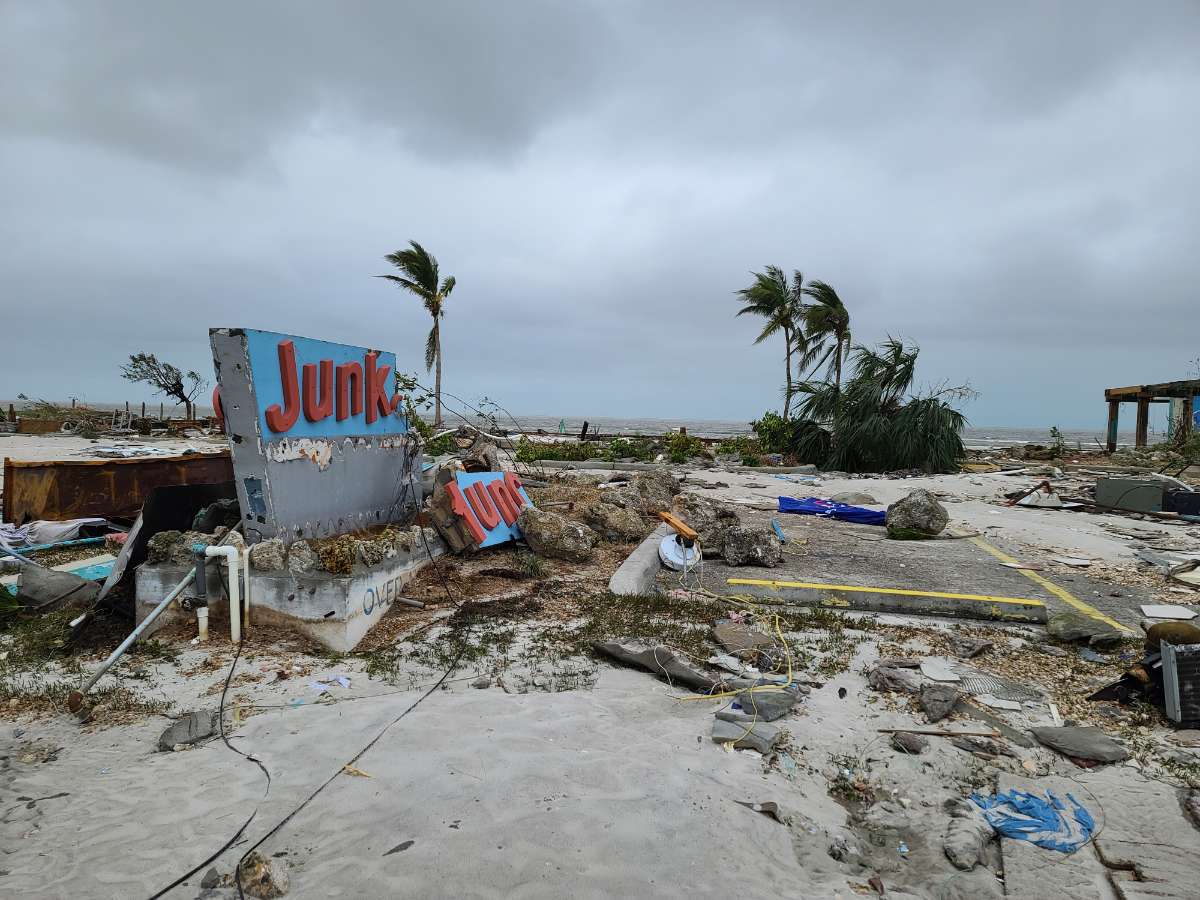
<point x="1143" y="421"/>
<point x="1114" y="415"/>
<point x="1183" y="430"/>
<point x="160" y="412"/>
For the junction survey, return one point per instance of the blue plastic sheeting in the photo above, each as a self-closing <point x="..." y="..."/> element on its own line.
<point x="1047" y="823"/>
<point x="814" y="506"/>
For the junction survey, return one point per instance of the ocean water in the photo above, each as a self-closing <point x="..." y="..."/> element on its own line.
<point x="975" y="437"/>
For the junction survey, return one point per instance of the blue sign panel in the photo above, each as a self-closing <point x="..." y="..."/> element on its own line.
<point x="314" y="389"/>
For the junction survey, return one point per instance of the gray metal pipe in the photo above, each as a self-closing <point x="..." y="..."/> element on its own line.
<point x="75" y="699"/>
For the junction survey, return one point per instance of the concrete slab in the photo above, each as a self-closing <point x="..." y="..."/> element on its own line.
<point x="636" y="576"/>
<point x="335" y="610"/>
<point x="952" y="576"/>
<point x="1143" y="846"/>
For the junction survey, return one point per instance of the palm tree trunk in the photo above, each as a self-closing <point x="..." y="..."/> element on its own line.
<point x="437" y="378"/>
<point x="787" y="397"/>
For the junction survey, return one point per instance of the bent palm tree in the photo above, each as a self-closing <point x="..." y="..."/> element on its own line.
<point x="778" y="301"/>
<point x="421" y="277"/>
<point x="828" y="320"/>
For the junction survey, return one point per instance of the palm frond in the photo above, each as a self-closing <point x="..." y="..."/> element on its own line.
<point x="431" y="347"/>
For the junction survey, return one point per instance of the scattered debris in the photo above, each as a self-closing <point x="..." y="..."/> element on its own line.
<point x="191" y="728"/>
<point x="1045" y="822"/>
<point x="938" y="700"/>
<point x="760" y="736"/>
<point x="553" y="535"/>
<point x="747" y="545"/>
<point x="660" y="661"/>
<point x="1076" y="627"/>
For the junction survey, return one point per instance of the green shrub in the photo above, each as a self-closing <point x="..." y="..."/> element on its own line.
<point x="681" y="447"/>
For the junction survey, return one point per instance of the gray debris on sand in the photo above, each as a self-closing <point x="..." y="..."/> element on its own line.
<point x="660" y="661"/>
<point x="1083" y="742"/>
<point x="190" y="728"/>
<point x="978" y="884"/>
<point x="966" y="834"/>
<point x="1076" y="627"/>
<point x="269" y="556"/>
<point x="981" y="746"/>
<point x="853" y="498"/>
<point x="917" y="515"/>
<point x="552" y="535"/>
<point x="969" y="648"/>
<point x="612" y="522"/>
<point x="768" y="704"/>
<point x="906" y="742"/>
<point x="938" y="700"/>
<point x="748" y="545"/>
<point x="760" y="736"/>
<point x="886" y="678"/>
<point x="211" y="879"/>
<point x="709" y="519"/>
<point x="301" y="558"/>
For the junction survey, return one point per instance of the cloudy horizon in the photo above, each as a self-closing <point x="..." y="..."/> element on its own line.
<point x="1010" y="187"/>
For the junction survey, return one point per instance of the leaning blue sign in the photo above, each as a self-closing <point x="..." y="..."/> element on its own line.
<point x="318" y="435"/>
<point x="322" y="389"/>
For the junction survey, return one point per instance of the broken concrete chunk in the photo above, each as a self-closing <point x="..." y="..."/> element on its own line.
<point x="158" y="548"/>
<point x="885" y="678"/>
<point x="907" y="742"/>
<point x="938" y="700"/>
<point x="552" y="535"/>
<point x="647" y="493"/>
<point x="301" y="558"/>
<point x="1083" y="742"/>
<point x="760" y="736"/>
<point x="211" y="879"/>
<point x="768" y="704"/>
<point x="969" y="648"/>
<point x="613" y="523"/>
<point x="981" y="746"/>
<point x="192" y="727"/>
<point x="748" y="545"/>
<point x="710" y="520"/>
<point x="269" y="556"/>
<point x="919" y="515"/>
<point x="1076" y="627"/>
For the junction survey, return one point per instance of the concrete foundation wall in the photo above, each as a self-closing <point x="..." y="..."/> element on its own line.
<point x="335" y="610"/>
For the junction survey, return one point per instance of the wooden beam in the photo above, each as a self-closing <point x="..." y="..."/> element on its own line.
<point x="1114" y="415"/>
<point x="1143" y="422"/>
<point x="1183" y="430"/>
<point x="681" y="528"/>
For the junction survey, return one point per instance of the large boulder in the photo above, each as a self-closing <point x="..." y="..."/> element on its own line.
<point x="158" y="548"/>
<point x="183" y="552"/>
<point x="711" y="520"/>
<point x="550" y="534"/>
<point x="613" y="523"/>
<point x="917" y="516"/>
<point x="1073" y="627"/>
<point x="748" y="545"/>
<point x="301" y="558"/>
<point x="269" y="556"/>
<point x="648" y="493"/>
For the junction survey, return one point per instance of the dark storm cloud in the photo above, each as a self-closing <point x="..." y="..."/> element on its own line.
<point x="1011" y="186"/>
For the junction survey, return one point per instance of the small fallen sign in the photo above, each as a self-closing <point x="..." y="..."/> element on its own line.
<point x="479" y="509"/>
<point x="1166" y="611"/>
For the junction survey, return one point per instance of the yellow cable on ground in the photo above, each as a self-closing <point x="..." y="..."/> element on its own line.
<point x="1062" y="594"/>
<point x="859" y="589"/>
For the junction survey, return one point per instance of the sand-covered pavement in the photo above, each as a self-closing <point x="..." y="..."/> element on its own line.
<point x="540" y="770"/>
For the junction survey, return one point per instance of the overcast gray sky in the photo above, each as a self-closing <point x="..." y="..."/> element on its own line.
<point x="1013" y="186"/>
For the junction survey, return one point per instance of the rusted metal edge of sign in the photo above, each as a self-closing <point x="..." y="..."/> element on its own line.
<point x="110" y="488"/>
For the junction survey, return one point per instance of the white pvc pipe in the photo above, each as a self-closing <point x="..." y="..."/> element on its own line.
<point x="202" y="623"/>
<point x="230" y="555"/>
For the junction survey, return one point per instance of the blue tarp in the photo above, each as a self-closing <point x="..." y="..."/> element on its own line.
<point x="814" y="506"/>
<point x="1047" y="823"/>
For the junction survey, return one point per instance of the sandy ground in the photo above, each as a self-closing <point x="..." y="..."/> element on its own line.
<point x="612" y="790"/>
